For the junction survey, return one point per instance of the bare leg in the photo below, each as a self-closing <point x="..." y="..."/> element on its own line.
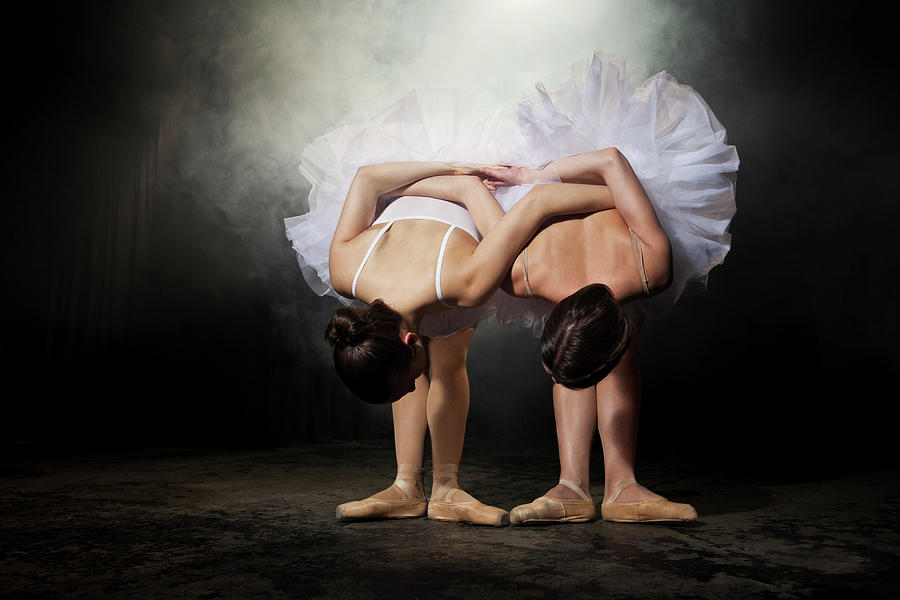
<point x="406" y="496"/>
<point x="570" y="501"/>
<point x="448" y="408"/>
<point x="618" y="412"/>
<point x="618" y="408"/>
<point x="576" y="412"/>
<point x="614" y="404"/>
<point x="410" y="424"/>
<point x="448" y="396"/>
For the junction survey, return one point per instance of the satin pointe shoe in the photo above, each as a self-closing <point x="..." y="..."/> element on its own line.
<point x="449" y="503"/>
<point x="404" y="499"/>
<point x="655" y="510"/>
<point x="556" y="510"/>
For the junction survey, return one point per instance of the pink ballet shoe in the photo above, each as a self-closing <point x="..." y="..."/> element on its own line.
<point x="404" y="499"/>
<point x="449" y="503"/>
<point x="555" y="510"/>
<point x="654" y="510"/>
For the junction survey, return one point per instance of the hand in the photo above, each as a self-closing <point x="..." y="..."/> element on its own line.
<point x="482" y="171"/>
<point x="507" y="175"/>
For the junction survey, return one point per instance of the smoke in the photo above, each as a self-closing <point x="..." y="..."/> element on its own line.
<point x="266" y="78"/>
<point x="157" y="147"/>
<point x="220" y="98"/>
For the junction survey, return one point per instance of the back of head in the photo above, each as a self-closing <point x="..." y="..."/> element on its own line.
<point x="368" y="350"/>
<point x="584" y="337"/>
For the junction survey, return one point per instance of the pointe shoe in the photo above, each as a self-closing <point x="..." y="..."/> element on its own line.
<point x="400" y="501"/>
<point x="460" y="507"/>
<point x="555" y="510"/>
<point x="449" y="503"/>
<point x="654" y="510"/>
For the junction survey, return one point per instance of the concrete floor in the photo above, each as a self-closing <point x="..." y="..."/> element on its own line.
<point x="260" y="524"/>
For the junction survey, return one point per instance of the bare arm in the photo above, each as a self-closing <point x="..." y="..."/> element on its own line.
<point x="608" y="167"/>
<point x="486" y="268"/>
<point x="468" y="191"/>
<point x="373" y="181"/>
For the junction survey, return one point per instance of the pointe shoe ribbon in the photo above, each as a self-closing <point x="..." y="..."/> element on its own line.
<point x="654" y="510"/>
<point x="400" y="501"/>
<point x="556" y="510"/>
<point x="449" y="503"/>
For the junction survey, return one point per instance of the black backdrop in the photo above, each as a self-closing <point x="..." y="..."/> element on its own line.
<point x="139" y="311"/>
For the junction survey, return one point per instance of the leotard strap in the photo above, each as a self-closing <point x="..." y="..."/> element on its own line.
<point x="440" y="264"/>
<point x="437" y="270"/>
<point x="525" y="270"/>
<point x="368" y="253"/>
<point x="639" y="256"/>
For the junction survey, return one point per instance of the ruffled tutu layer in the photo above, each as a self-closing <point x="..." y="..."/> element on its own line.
<point x="669" y="135"/>
<point x="672" y="140"/>
<point x="422" y="125"/>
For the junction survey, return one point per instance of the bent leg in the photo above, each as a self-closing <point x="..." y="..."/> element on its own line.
<point x="406" y="496"/>
<point x="448" y="409"/>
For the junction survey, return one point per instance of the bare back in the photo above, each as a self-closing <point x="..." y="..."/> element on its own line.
<point x="402" y="265"/>
<point x="571" y="252"/>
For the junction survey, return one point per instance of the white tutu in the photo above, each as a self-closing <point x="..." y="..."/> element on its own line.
<point x="422" y="125"/>
<point x="668" y="133"/>
<point x="672" y="140"/>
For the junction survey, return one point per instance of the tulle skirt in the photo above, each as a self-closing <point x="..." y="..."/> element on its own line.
<point x="672" y="139"/>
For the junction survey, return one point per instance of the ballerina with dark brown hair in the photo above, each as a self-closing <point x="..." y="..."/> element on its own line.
<point x="592" y="268"/>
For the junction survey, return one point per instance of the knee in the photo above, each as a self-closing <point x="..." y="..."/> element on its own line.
<point x="448" y="355"/>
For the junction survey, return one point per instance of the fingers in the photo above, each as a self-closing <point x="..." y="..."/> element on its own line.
<point x="504" y="175"/>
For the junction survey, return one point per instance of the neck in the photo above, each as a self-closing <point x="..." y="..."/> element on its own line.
<point x="411" y="319"/>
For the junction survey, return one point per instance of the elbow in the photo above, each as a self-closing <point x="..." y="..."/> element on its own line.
<point x="611" y="159"/>
<point x="661" y="273"/>
<point x="466" y="185"/>
<point x="663" y="280"/>
<point x="475" y="291"/>
<point x="474" y="299"/>
<point x="363" y="173"/>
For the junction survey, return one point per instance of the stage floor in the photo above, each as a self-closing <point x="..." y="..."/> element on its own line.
<point x="182" y="523"/>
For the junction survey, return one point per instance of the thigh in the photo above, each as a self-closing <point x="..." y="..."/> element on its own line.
<point x="449" y="353"/>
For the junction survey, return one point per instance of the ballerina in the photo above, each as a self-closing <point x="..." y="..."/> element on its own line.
<point x="667" y="151"/>
<point x="591" y="268"/>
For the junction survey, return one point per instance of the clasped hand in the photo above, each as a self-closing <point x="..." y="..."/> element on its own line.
<point x="494" y="176"/>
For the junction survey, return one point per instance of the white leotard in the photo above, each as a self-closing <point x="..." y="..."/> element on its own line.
<point x="430" y="209"/>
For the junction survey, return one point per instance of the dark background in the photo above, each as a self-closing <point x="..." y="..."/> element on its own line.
<point x="139" y="309"/>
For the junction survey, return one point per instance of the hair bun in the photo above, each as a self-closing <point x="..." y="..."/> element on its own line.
<point x="347" y="328"/>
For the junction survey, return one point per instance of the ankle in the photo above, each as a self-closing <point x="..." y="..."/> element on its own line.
<point x="569" y="490"/>
<point x="444" y="478"/>
<point x="581" y="481"/>
<point x="411" y="476"/>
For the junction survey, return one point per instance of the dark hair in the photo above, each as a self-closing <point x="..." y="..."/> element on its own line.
<point x="369" y="354"/>
<point x="584" y="337"/>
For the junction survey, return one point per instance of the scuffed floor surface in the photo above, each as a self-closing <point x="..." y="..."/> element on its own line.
<point x="260" y="524"/>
